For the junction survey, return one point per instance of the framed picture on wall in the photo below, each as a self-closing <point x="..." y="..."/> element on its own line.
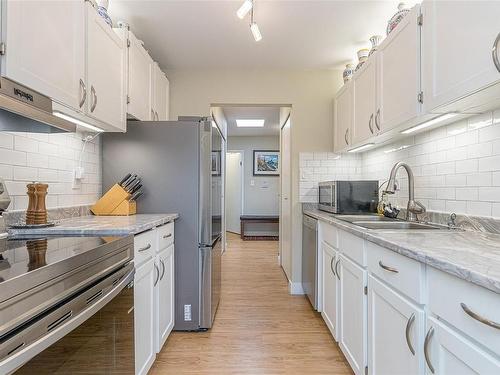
<point x="266" y="163"/>
<point x="216" y="161"/>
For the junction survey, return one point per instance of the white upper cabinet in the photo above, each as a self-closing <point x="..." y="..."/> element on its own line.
<point x="160" y="94"/>
<point x="398" y="82"/>
<point x="139" y="78"/>
<point x="365" y="90"/>
<point x="458" y="38"/>
<point x="344" y="116"/>
<point x="105" y="73"/>
<point x="45" y="47"/>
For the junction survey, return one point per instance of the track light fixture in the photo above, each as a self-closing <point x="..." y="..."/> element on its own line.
<point x="249" y="6"/>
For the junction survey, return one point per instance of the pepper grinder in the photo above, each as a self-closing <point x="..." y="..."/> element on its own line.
<point x="30" y="212"/>
<point x="41" y="208"/>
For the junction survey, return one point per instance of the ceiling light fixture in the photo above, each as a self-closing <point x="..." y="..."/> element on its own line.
<point x="361" y="148"/>
<point x="244" y="9"/>
<point x="77" y="122"/>
<point x="250" y="123"/>
<point x="249" y="6"/>
<point x="429" y="123"/>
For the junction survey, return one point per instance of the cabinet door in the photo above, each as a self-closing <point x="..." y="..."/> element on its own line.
<point x="353" y="313"/>
<point x="457" y="43"/>
<point x="399" y="74"/>
<point x="330" y="287"/>
<point x="45" y="47"/>
<point x="165" y="296"/>
<point x="160" y="89"/>
<point x="395" y="332"/>
<point x="364" y="101"/>
<point x="448" y="352"/>
<point x="139" y="79"/>
<point x="144" y="321"/>
<point x="105" y="72"/>
<point x="344" y="113"/>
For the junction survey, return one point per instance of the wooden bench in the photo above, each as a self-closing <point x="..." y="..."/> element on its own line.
<point x="268" y="219"/>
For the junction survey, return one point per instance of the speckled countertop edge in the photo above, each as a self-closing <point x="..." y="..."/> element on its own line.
<point x="101" y="225"/>
<point x="471" y="269"/>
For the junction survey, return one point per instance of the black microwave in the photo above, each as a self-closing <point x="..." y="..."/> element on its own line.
<point x="348" y="197"/>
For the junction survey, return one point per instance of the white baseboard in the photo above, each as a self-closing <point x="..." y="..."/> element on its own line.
<point x="295" y="288"/>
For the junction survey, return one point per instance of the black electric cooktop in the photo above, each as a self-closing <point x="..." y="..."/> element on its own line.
<point x="23" y="255"/>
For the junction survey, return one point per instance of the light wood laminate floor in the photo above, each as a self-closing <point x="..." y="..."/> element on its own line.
<point x="259" y="328"/>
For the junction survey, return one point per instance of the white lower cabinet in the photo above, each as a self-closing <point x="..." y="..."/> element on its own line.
<point x="395" y="332"/>
<point x="330" y="288"/>
<point x="144" y="317"/>
<point x="164" y="296"/>
<point x="153" y="294"/>
<point x="448" y="352"/>
<point x="353" y="319"/>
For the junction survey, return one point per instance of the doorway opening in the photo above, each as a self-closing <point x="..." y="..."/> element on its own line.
<point x="257" y="170"/>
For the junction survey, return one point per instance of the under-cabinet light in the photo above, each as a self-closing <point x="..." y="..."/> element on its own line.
<point x="250" y="123"/>
<point x="361" y="148"/>
<point x="77" y="122"/>
<point x="429" y="123"/>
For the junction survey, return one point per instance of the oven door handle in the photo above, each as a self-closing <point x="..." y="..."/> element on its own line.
<point x="16" y="360"/>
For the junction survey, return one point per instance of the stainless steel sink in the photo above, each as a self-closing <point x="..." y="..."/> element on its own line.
<point x="353" y="218"/>
<point x="399" y="225"/>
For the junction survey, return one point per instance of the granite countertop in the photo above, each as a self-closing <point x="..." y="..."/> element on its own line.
<point x="101" y="225"/>
<point x="472" y="256"/>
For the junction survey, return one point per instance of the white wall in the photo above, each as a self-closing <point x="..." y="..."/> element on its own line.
<point x="261" y="198"/>
<point x="310" y="92"/>
<point x="456" y="167"/>
<point x="49" y="158"/>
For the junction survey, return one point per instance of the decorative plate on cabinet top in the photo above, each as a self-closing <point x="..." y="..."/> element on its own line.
<point x="396" y="19"/>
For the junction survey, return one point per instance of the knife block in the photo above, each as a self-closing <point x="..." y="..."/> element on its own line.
<point x="115" y="203"/>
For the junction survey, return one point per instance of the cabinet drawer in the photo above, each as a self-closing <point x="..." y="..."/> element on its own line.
<point x="450" y="297"/>
<point x="404" y="274"/>
<point x="352" y="246"/>
<point x="144" y="246"/>
<point x="165" y="235"/>
<point x="329" y="234"/>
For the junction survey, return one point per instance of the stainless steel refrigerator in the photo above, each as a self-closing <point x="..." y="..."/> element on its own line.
<point x="180" y="166"/>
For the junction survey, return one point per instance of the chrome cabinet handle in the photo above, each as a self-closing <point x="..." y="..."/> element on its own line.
<point x="370" y="123"/>
<point x="167" y="236"/>
<point x="83" y="90"/>
<point x="157" y="116"/>
<point x="152" y="114"/>
<point x="479" y="318"/>
<point x="387" y="268"/>
<point x="331" y="266"/>
<point x="162" y="269"/>
<point x="157" y="277"/>
<point x="337" y="269"/>
<point x="147" y="247"/>
<point x="377" y="119"/>
<point x="426" y="348"/>
<point x="93" y="98"/>
<point x="494" y="52"/>
<point x="407" y="333"/>
<point x="345" y="137"/>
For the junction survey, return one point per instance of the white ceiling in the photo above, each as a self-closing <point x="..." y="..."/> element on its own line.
<point x="296" y="34"/>
<point x="271" y="115"/>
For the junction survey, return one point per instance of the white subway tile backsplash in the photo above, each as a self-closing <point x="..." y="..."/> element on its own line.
<point x="456" y="167"/>
<point x="49" y="158"/>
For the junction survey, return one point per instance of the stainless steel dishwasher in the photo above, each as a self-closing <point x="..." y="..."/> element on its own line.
<point x="310" y="259"/>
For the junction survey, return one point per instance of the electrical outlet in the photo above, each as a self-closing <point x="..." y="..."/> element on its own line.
<point x="187" y="313"/>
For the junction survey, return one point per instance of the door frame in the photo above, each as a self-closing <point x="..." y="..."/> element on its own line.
<point x="242" y="177"/>
<point x="281" y="237"/>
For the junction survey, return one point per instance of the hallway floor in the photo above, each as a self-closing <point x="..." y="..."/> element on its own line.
<point x="259" y="328"/>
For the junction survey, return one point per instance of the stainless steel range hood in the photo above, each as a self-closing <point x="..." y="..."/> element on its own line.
<point x="25" y="110"/>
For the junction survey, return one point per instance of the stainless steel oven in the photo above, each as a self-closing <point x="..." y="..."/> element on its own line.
<point x="67" y="306"/>
<point x="348" y="197"/>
